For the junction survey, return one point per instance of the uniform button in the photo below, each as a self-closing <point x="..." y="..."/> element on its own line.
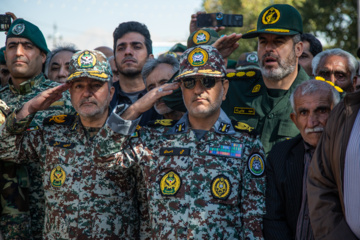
<point x="271" y="115"/>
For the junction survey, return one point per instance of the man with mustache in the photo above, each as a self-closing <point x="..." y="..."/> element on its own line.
<point x="287" y="212"/>
<point x="132" y="47"/>
<point x="264" y="104"/>
<point x="21" y="186"/>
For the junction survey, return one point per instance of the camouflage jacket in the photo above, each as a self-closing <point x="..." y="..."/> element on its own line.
<point x="82" y="200"/>
<point x="23" y="179"/>
<point x="208" y="188"/>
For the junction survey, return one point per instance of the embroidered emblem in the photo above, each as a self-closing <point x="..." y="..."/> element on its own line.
<point x="198" y="57"/>
<point x="62" y="144"/>
<point x="170" y="184"/>
<point x="244" y="111"/>
<point x="271" y="16"/>
<point x="174" y="151"/>
<point x="18" y="29"/>
<point x="243" y="126"/>
<point x="221" y="187"/>
<point x="201" y="37"/>
<point x="234" y="150"/>
<point x="87" y="60"/>
<point x="180" y="127"/>
<point x="230" y="75"/>
<point x="164" y="122"/>
<point x="58" y="119"/>
<point x="255" y="90"/>
<point x="57" y="177"/>
<point x="256" y="165"/>
<point x="250" y="73"/>
<point x="224" y="128"/>
<point x="240" y="74"/>
<point x="252" y="57"/>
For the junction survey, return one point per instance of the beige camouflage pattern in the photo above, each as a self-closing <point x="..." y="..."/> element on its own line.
<point x="193" y="212"/>
<point x="82" y="199"/>
<point x="24" y="181"/>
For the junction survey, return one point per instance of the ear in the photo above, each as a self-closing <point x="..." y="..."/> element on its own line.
<point x="225" y="86"/>
<point x="112" y="91"/>
<point x="293" y="118"/>
<point x="151" y="56"/>
<point x="299" y="48"/>
<point x="43" y="57"/>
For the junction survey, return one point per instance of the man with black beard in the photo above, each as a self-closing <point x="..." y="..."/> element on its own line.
<point x="132" y="47"/>
<point x="263" y="104"/>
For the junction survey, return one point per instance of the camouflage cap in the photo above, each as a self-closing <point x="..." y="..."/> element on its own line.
<point x="204" y="60"/>
<point x="2" y="57"/>
<point x="89" y="63"/>
<point x="279" y="19"/>
<point x="202" y="36"/>
<point x="248" y="60"/>
<point x="21" y="28"/>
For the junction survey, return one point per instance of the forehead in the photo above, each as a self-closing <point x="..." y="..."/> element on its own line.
<point x="86" y="80"/>
<point x="313" y="100"/>
<point x="131" y="37"/>
<point x="17" y="40"/>
<point x="269" y="36"/>
<point x="334" y="60"/>
<point x="160" y="72"/>
<point x="62" y="57"/>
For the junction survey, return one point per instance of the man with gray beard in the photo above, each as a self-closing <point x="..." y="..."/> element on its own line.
<point x="264" y="104"/>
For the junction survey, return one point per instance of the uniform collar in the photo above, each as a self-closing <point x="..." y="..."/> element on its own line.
<point x="222" y="125"/>
<point x="26" y="87"/>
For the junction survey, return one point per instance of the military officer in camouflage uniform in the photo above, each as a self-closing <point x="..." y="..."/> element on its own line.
<point x="264" y="103"/>
<point x="21" y="187"/>
<point x="204" y="176"/>
<point x="83" y="200"/>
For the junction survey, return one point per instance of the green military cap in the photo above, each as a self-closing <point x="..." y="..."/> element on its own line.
<point x="89" y="63"/>
<point x="203" y="60"/>
<point x="171" y="54"/>
<point x="248" y="60"/>
<point x="2" y="57"/>
<point x="202" y="36"/>
<point x="279" y="19"/>
<point x="23" y="29"/>
<point x="178" y="48"/>
<point x="231" y="64"/>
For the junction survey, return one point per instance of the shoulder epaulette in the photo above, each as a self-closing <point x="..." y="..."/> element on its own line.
<point x="244" y="74"/>
<point x="244" y="127"/>
<point x="59" y="120"/>
<point x="161" y="122"/>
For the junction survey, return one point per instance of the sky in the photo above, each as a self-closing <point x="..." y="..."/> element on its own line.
<point x="91" y="23"/>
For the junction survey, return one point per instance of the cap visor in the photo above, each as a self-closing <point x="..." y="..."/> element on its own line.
<point x="284" y="32"/>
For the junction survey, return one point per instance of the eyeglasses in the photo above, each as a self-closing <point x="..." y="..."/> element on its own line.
<point x="207" y="82"/>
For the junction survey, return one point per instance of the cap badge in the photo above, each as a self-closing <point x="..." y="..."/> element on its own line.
<point x="252" y="58"/>
<point x="256" y="165"/>
<point x="57" y="177"/>
<point x="221" y="187"/>
<point x="271" y="16"/>
<point x="198" y="57"/>
<point x="201" y="37"/>
<point x="170" y="184"/>
<point x="18" y="29"/>
<point x="86" y="60"/>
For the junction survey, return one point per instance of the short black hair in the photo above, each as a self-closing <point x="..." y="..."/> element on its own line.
<point x="315" y="44"/>
<point x="133" y="26"/>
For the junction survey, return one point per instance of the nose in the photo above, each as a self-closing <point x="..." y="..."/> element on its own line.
<point x="63" y="73"/>
<point x="19" y="50"/>
<point x="313" y="120"/>
<point x="199" y="88"/>
<point x="87" y="92"/>
<point x="269" y="46"/>
<point x="332" y="78"/>
<point x="128" y="50"/>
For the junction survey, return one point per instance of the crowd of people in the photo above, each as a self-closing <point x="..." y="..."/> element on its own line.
<point x="113" y="143"/>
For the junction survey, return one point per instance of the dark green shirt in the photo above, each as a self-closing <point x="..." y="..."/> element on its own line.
<point x="266" y="110"/>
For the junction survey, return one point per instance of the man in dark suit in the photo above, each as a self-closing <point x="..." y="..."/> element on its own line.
<point x="288" y="161"/>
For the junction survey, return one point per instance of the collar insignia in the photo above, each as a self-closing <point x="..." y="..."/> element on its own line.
<point x="224" y="128"/>
<point x="170" y="183"/>
<point x="174" y="151"/>
<point x="256" y="165"/>
<point x="221" y="187"/>
<point x="234" y="150"/>
<point x="57" y="177"/>
<point x="180" y="127"/>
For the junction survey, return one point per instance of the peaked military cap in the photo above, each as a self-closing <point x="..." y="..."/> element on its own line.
<point x="21" y="28"/>
<point x="89" y="63"/>
<point x="202" y="36"/>
<point x="279" y="19"/>
<point x="178" y="48"/>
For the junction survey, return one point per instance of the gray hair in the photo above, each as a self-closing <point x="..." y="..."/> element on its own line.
<point x="314" y="87"/>
<point x="50" y="55"/>
<point x="352" y="63"/>
<point x="296" y="38"/>
<point x="152" y="63"/>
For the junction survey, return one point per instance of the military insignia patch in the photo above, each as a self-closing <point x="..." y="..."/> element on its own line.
<point x="170" y="184"/>
<point x="180" y="127"/>
<point x="243" y="126"/>
<point x="234" y="150"/>
<point x="61" y="144"/>
<point x="86" y="60"/>
<point x="59" y="119"/>
<point x="164" y="122"/>
<point x="18" y="29"/>
<point x="221" y="187"/>
<point x="256" y="89"/>
<point x="57" y="177"/>
<point x="174" y="151"/>
<point x="256" y="165"/>
<point x="201" y="37"/>
<point x="253" y="58"/>
<point x="244" y="111"/>
<point x="198" y="57"/>
<point x="271" y="16"/>
<point x="224" y="128"/>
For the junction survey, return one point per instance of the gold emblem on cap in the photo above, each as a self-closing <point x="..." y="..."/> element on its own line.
<point x="271" y="16"/>
<point x="170" y="184"/>
<point x="57" y="177"/>
<point x="201" y="37"/>
<point x="86" y="60"/>
<point x="198" y="57"/>
<point x="221" y="187"/>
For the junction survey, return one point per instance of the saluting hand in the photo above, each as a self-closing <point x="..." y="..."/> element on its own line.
<point x="226" y="45"/>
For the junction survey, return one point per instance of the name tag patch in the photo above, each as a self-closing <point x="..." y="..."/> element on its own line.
<point x="61" y="144"/>
<point x="244" y="111"/>
<point x="234" y="150"/>
<point x="174" y="151"/>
